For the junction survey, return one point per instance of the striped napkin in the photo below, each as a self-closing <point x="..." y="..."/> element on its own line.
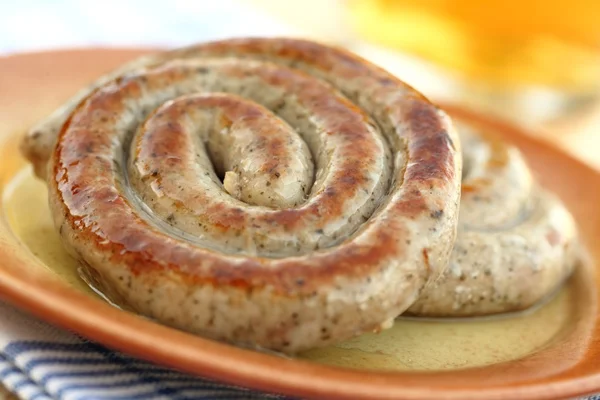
<point x="41" y="362"/>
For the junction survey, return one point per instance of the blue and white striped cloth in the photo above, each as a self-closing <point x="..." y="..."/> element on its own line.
<point x="41" y="362"/>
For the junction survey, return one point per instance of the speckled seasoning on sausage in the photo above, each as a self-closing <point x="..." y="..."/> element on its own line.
<point x="270" y="192"/>
<point x="516" y="242"/>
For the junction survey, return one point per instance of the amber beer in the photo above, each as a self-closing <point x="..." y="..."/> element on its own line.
<point x="549" y="43"/>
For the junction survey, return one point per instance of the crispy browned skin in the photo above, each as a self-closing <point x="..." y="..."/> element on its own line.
<point x="158" y="231"/>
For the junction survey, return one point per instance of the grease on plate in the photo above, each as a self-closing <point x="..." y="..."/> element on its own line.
<point x="409" y="345"/>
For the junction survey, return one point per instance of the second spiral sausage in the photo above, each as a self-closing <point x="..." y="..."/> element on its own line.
<point x="516" y="243"/>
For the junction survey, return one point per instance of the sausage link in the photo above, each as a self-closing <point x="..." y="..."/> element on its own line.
<point x="269" y="192"/>
<point x="516" y="242"/>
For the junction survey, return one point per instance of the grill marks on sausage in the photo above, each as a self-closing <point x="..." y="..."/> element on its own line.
<point x="429" y="144"/>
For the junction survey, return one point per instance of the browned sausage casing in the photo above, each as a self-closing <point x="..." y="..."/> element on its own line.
<point x="270" y="192"/>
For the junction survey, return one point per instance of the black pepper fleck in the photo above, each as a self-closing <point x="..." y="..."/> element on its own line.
<point x="437" y="214"/>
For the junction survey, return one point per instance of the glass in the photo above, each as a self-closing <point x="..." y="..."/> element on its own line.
<point x="500" y="49"/>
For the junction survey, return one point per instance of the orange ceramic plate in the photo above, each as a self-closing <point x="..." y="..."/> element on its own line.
<point x="552" y="352"/>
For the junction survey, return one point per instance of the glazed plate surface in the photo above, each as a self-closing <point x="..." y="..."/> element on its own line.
<point x="551" y="351"/>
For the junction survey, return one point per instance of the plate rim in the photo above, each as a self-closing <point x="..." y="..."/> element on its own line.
<point x="46" y="298"/>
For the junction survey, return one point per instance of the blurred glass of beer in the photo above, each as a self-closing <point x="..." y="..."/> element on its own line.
<point x="554" y="44"/>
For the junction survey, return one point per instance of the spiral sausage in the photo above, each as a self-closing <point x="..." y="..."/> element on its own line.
<point x="338" y="201"/>
<point x="516" y="242"/>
